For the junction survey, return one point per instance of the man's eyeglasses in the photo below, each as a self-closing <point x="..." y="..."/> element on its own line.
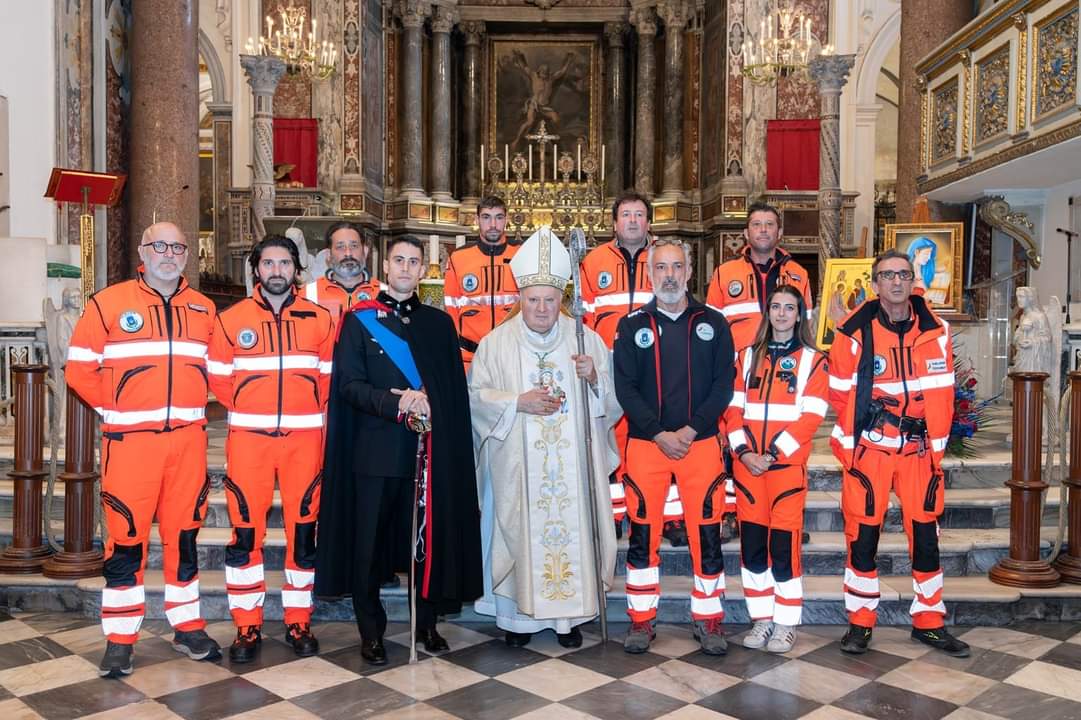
<point x="889" y="275"/>
<point x="160" y="247"/>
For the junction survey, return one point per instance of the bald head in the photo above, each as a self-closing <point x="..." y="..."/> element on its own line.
<point x="163" y="251"/>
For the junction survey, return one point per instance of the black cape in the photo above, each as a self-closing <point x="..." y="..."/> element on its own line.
<point x="455" y="552"/>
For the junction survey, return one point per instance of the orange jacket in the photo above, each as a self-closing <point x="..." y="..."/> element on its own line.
<point x="478" y="292"/>
<point x="909" y="375"/>
<point x="336" y="298"/>
<point x="738" y="289"/>
<point x="610" y="290"/>
<point x="272" y="371"/>
<point x="139" y="359"/>
<point x="780" y="408"/>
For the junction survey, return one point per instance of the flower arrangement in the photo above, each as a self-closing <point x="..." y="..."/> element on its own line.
<point x="969" y="414"/>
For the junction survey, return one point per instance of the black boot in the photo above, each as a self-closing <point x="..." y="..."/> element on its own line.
<point x="939" y="639"/>
<point x="300" y="637"/>
<point x="246" y="646"/>
<point x="856" y="640"/>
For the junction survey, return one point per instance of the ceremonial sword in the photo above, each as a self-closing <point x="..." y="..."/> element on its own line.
<point x="421" y="425"/>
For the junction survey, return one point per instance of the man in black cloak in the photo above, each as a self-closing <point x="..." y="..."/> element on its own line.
<point x="397" y="358"/>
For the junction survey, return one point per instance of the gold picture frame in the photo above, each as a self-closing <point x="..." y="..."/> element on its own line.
<point x="845" y="286"/>
<point x="572" y="63"/>
<point x="937" y="252"/>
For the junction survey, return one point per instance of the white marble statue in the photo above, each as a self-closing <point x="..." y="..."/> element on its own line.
<point x="1037" y="344"/>
<point x="59" y="325"/>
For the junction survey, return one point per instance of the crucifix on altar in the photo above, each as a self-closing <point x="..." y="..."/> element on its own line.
<point x="542" y="138"/>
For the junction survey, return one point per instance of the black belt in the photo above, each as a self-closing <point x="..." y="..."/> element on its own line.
<point x="908" y="426"/>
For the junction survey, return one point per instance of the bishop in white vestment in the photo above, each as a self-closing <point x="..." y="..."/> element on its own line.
<point x="529" y="421"/>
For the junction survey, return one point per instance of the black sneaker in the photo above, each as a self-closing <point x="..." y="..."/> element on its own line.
<point x="939" y="639"/>
<point x="246" y="645"/>
<point x="573" y="639"/>
<point x="196" y="644"/>
<point x="856" y="640"/>
<point x="675" y="532"/>
<point x="301" y="638"/>
<point x="117" y="660"/>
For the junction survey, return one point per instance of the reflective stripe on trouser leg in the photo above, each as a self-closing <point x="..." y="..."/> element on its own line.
<point x="619" y="497"/>
<point x="646" y="485"/>
<point x="182" y="604"/>
<point x="246" y="589"/>
<point x="299" y="477"/>
<point x="861" y="596"/>
<point x="758" y="593"/>
<point x="673" y="507"/>
<point x="928" y="610"/>
<point x="788" y="602"/>
<point x="706" y="597"/>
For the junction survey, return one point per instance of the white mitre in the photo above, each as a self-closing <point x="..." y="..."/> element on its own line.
<point x="542" y="260"/>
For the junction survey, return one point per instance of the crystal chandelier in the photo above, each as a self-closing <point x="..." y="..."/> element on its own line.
<point x="784" y="47"/>
<point x="301" y="51"/>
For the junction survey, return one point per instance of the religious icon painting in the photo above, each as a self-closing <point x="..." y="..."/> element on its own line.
<point x="936" y="251"/>
<point x="846" y="286"/>
<point x="549" y="377"/>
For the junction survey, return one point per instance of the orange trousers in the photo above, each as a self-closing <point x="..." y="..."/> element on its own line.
<point x="865" y="493"/>
<point x="699" y="475"/>
<point x="254" y="461"/>
<point x="144" y="474"/>
<point x="673" y="506"/>
<point x="770" y="511"/>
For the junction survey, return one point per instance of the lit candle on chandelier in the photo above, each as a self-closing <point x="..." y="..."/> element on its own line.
<point x="531" y="161"/>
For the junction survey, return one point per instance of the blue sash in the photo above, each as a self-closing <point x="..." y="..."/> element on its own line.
<point x="396" y="349"/>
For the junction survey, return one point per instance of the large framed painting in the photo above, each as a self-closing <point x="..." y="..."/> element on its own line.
<point x="937" y="254"/>
<point x="846" y="286"/>
<point x="556" y="81"/>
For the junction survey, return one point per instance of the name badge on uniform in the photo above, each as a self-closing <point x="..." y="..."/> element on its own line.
<point x="246" y="338"/>
<point x="644" y="338"/>
<point x="470" y="282"/>
<point x="131" y="321"/>
<point x="704" y="331"/>
<point x="735" y="288"/>
<point x="936" y="366"/>
<point x="604" y="280"/>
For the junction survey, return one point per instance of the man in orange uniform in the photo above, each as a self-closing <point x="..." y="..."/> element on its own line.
<point x="138" y="357"/>
<point x="891" y="384"/>
<point x="739" y="287"/>
<point x="674" y="377"/>
<point x="479" y="288"/>
<point x="347" y="281"/>
<point x="615" y="282"/>
<point x="269" y="363"/>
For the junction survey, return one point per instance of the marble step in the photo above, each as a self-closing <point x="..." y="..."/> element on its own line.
<point x="969" y="600"/>
<point x="966" y="508"/>
<point x="965" y="552"/>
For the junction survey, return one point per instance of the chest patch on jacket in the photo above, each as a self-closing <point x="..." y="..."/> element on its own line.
<point x="131" y="321"/>
<point x="880" y="365"/>
<point x="604" y="280"/>
<point x="246" y="338"/>
<point x="788" y="363"/>
<point x="469" y="282"/>
<point x="735" y="288"/>
<point x="704" y="331"/>
<point x="644" y="338"/>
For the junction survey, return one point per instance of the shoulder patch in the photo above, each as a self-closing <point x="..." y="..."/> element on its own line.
<point x="735" y="288"/>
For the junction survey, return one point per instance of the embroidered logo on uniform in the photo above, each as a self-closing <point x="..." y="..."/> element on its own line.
<point x="936" y="366"/>
<point x="880" y="365"/>
<point x="246" y="338"/>
<point x="704" y="331"/>
<point x="788" y="363"/>
<point x="604" y="280"/>
<point x="643" y="338"/>
<point x="470" y="283"/>
<point x="131" y="321"/>
<point x="735" y="288"/>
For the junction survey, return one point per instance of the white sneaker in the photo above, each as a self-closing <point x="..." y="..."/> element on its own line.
<point x="759" y="635"/>
<point x="784" y="637"/>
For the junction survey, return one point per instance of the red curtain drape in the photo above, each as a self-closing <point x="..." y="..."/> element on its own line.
<point x="792" y="154"/>
<point x="296" y="141"/>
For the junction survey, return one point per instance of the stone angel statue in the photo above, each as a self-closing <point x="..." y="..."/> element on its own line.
<point x="1037" y="345"/>
<point x="59" y="326"/>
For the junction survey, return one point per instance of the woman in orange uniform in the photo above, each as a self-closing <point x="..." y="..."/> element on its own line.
<point x="780" y="398"/>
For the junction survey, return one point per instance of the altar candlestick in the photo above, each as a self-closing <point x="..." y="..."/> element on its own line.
<point x="555" y="162"/>
<point x="433" y="249"/>
<point x="579" y="162"/>
<point x="482" y="166"/>
<point x="602" y="169"/>
<point x="531" y="162"/>
<point x="506" y="162"/>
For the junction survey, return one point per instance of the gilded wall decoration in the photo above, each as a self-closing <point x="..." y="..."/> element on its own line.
<point x="351" y="69"/>
<point x="944" y="116"/>
<point x="1056" y="62"/>
<point x="993" y="94"/>
<point x="733" y="143"/>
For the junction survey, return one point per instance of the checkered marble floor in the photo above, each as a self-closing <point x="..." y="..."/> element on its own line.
<point x="48" y="668"/>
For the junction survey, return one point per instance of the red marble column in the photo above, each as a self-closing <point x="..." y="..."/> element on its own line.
<point x="1069" y="562"/>
<point x="165" y="122"/>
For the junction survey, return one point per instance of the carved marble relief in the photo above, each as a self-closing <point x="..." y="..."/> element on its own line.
<point x="371" y="65"/>
<point x="944" y="114"/>
<point x="993" y="94"/>
<point x="1056" y="63"/>
<point x="734" y="119"/>
<point x="351" y="70"/>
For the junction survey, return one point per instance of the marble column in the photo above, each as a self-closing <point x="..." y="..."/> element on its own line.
<point x="830" y="72"/>
<point x="165" y="122"/>
<point x="222" y="117"/>
<point x="443" y="20"/>
<point x="472" y="107"/>
<point x="264" y="73"/>
<point x="412" y="13"/>
<point x="645" y="22"/>
<point x="616" y="99"/>
<point x="925" y="24"/>
<point x="675" y="14"/>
